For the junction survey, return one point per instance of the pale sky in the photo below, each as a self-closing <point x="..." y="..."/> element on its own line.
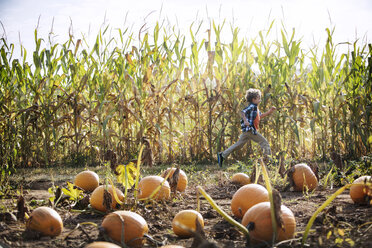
<point x="310" y="18"/>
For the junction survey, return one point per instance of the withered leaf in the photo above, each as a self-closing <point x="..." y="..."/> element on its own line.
<point x="290" y="176"/>
<point x="82" y="203"/>
<point x="57" y="194"/>
<point x="21" y="208"/>
<point x="173" y="180"/>
<point x="107" y="200"/>
<point x="200" y="240"/>
<point x="337" y="160"/>
<point x="315" y="169"/>
<point x="110" y="155"/>
<point x="147" y="154"/>
<point x="277" y="199"/>
<point x="282" y="169"/>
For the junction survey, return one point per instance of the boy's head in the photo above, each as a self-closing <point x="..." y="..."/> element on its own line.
<point x="252" y="94"/>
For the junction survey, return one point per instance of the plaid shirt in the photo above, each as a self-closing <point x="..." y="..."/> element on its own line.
<point x="250" y="113"/>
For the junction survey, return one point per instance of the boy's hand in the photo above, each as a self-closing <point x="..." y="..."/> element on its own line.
<point x="272" y="109"/>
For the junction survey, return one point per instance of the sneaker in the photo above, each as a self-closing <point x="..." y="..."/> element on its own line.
<point x="220" y="159"/>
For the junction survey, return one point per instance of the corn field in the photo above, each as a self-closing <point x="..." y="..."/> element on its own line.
<point x="75" y="102"/>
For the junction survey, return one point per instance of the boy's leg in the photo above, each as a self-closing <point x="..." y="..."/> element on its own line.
<point x="244" y="137"/>
<point x="265" y="146"/>
<point x="262" y="141"/>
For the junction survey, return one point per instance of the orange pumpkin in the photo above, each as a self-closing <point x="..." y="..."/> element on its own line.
<point x="87" y="180"/>
<point x="360" y="191"/>
<point x="246" y="197"/>
<point x="102" y="244"/>
<point x="188" y="219"/>
<point x="182" y="178"/>
<point x="135" y="226"/>
<point x="46" y="221"/>
<point x="303" y="177"/>
<point x="241" y="179"/>
<point x="258" y="220"/>
<point x="96" y="199"/>
<point x="148" y="184"/>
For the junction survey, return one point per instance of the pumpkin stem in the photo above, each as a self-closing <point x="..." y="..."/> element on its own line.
<point x="250" y="226"/>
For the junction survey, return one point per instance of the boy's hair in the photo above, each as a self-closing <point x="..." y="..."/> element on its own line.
<point x="252" y="93"/>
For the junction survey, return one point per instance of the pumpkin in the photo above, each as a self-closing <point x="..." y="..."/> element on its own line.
<point x="359" y="193"/>
<point x="87" y="180"/>
<point x="182" y="178"/>
<point x="241" y="179"/>
<point x="303" y="177"/>
<point x="188" y="219"/>
<point x="96" y="199"/>
<point x="246" y="197"/>
<point x="135" y="226"/>
<point x="148" y="184"/>
<point x="46" y="221"/>
<point x="102" y="244"/>
<point x="258" y="221"/>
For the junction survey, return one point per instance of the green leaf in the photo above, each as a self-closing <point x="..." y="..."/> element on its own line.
<point x="73" y="192"/>
<point x="51" y="191"/>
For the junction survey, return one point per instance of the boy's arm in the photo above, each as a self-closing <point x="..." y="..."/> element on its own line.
<point x="272" y="109"/>
<point x="246" y="122"/>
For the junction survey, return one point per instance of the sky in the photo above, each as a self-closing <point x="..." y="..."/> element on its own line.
<point x="19" y="18"/>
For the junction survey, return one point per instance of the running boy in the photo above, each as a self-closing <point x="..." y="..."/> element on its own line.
<point x="249" y="123"/>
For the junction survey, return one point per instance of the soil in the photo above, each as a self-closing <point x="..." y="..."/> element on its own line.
<point x="342" y="224"/>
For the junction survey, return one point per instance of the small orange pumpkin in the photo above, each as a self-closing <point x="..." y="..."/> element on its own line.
<point x="135" y="226"/>
<point x="359" y="192"/>
<point x="246" y="197"/>
<point x="87" y="180"/>
<point x="148" y="184"/>
<point x="303" y="177"/>
<point x="241" y="179"/>
<point x="258" y="220"/>
<point x="96" y="199"/>
<point x="188" y="219"/>
<point x="46" y="221"/>
<point x="182" y="178"/>
<point x="102" y="244"/>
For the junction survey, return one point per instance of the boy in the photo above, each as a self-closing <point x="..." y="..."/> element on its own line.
<point x="249" y="123"/>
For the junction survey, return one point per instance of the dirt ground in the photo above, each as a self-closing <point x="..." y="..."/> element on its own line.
<point x="342" y="224"/>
